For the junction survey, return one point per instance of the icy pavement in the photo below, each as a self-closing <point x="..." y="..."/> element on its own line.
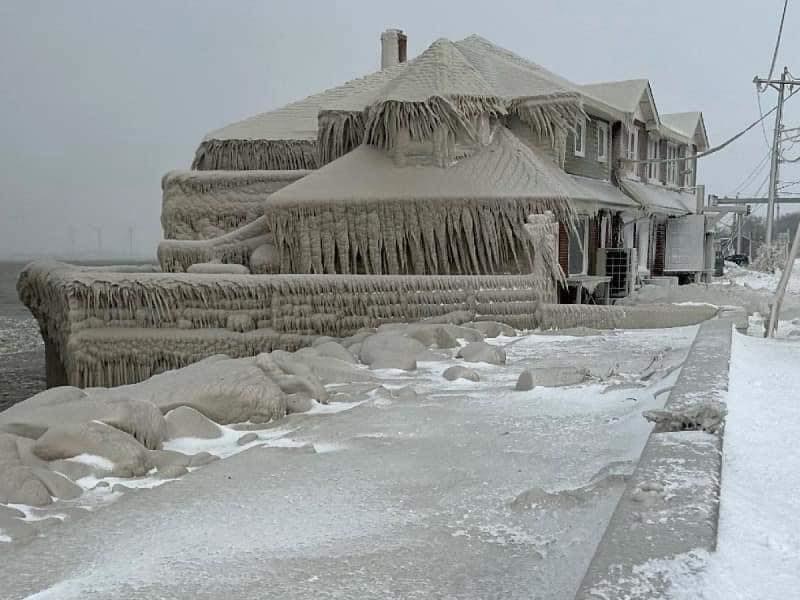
<point x="762" y="281"/>
<point x="455" y="489"/>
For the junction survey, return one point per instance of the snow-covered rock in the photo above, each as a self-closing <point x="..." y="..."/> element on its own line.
<point x="459" y="372"/>
<point x="185" y="421"/>
<point x="482" y="352"/>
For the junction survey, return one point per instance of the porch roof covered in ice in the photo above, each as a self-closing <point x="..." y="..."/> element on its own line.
<point x="505" y="168"/>
<point x="604" y="195"/>
<point x="659" y="199"/>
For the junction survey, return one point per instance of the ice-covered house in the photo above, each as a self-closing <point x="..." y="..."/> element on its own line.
<point x="453" y="183"/>
<point x="579" y="134"/>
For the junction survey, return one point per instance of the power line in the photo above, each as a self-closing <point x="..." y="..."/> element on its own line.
<point x="754" y="173"/>
<point x="715" y="148"/>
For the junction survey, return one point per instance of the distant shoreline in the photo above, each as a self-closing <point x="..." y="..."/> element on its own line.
<point x="136" y="260"/>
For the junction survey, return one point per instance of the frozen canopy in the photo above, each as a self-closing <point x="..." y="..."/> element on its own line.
<point x="602" y="194"/>
<point x="658" y="199"/>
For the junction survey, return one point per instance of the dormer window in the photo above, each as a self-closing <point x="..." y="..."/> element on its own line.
<point x="602" y="141"/>
<point x="580" y="137"/>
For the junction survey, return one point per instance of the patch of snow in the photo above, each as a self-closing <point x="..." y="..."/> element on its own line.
<point x="323" y="447"/>
<point x="98" y="462"/>
<point x="758" y="545"/>
<point x="696" y="304"/>
<point x="285" y="443"/>
<point x="764" y="281"/>
<point x="333" y="407"/>
<point x="225" y="445"/>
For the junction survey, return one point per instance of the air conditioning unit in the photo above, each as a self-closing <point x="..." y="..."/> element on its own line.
<point x="620" y="265"/>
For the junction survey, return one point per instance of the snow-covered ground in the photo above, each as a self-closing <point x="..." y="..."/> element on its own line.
<point x="762" y="281"/>
<point x="424" y="488"/>
<point x="758" y="545"/>
<point x="758" y="552"/>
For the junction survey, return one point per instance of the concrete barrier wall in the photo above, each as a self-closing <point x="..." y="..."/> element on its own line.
<point x="111" y="328"/>
<point x="670" y="505"/>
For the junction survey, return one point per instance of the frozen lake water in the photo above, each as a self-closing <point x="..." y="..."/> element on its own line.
<point x="22" y="371"/>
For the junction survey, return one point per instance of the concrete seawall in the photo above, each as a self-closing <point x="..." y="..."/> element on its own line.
<point x="671" y="503"/>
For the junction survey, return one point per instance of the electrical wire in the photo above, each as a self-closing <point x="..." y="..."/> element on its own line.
<point x="715" y="148"/>
<point x="754" y="173"/>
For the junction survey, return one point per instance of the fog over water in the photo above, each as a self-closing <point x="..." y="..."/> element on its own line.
<point x="99" y="98"/>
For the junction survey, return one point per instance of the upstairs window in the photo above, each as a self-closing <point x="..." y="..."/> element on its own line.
<point x="652" y="154"/>
<point x="672" y="165"/>
<point x="602" y="141"/>
<point x="633" y="149"/>
<point x="580" y="137"/>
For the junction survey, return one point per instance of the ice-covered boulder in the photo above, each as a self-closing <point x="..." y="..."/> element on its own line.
<point x="391" y="351"/>
<point x="291" y="375"/>
<point x="492" y="329"/>
<point x="129" y="457"/>
<point x="550" y="377"/>
<point x="67" y="405"/>
<point x="482" y="352"/>
<point x="223" y="389"/>
<point x="432" y="335"/>
<point x="459" y="372"/>
<point x="334" y="350"/>
<point x="185" y="421"/>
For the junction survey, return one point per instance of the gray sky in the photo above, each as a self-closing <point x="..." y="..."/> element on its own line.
<point x="98" y="99"/>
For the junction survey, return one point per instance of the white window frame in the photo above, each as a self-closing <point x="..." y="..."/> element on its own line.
<point x="582" y="151"/>
<point x="633" y="148"/>
<point x="672" y="165"/>
<point x="584" y="246"/>
<point x="652" y="154"/>
<point x="602" y="149"/>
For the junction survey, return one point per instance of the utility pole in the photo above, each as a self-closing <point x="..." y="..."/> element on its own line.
<point x="739" y="222"/>
<point x="775" y="154"/>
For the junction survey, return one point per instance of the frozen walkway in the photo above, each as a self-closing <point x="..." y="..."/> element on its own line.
<point x="460" y="490"/>
<point x="758" y="547"/>
<point x="670" y="505"/>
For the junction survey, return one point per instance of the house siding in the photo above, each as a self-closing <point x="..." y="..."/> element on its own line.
<point x="588" y="166"/>
<point x="533" y="140"/>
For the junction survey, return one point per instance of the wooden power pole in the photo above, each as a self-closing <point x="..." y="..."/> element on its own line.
<point x="780" y="86"/>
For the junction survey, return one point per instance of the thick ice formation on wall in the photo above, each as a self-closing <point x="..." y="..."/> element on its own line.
<point x="199" y="205"/>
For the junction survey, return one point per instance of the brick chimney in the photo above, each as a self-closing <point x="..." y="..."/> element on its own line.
<point x="393" y="47"/>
